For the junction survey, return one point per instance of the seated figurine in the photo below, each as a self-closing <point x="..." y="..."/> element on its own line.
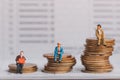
<point x="100" y="35"/>
<point x="58" y="52"/>
<point x="20" y="61"/>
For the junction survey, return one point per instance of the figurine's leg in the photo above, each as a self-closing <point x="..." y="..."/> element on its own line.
<point x="60" y="57"/>
<point x="99" y="41"/>
<point x="18" y="68"/>
<point x="21" y="66"/>
<point x="103" y="42"/>
<point x="55" y="57"/>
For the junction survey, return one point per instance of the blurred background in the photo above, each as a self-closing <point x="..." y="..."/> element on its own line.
<point x="35" y="26"/>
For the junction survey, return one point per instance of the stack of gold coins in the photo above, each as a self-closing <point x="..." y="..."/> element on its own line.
<point x="27" y="68"/>
<point x="96" y="58"/>
<point x="66" y="65"/>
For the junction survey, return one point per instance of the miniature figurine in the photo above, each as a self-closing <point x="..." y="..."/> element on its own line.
<point x="20" y="61"/>
<point x="58" y="52"/>
<point x="100" y="35"/>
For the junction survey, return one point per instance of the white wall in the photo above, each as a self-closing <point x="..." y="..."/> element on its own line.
<point x="74" y="21"/>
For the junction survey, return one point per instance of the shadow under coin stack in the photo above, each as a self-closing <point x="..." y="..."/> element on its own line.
<point x="96" y="58"/>
<point x="27" y="68"/>
<point x="68" y="61"/>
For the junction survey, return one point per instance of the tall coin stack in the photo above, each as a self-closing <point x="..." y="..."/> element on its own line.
<point x="66" y="65"/>
<point x="96" y="58"/>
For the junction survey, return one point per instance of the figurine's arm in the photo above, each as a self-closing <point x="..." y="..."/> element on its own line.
<point x="62" y="50"/>
<point x="103" y="34"/>
<point x="55" y="50"/>
<point x="17" y="59"/>
<point x="97" y="35"/>
<point x="24" y="57"/>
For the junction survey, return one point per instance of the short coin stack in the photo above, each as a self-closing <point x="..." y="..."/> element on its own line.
<point x="68" y="61"/>
<point x="96" y="58"/>
<point x="27" y="68"/>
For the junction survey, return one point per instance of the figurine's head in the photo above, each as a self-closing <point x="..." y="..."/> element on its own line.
<point x="98" y="26"/>
<point x="58" y="44"/>
<point x="21" y="53"/>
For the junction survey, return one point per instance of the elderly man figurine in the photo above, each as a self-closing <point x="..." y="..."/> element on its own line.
<point x="100" y="35"/>
<point x="58" y="52"/>
<point x="20" y="60"/>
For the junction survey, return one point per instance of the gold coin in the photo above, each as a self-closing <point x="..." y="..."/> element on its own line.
<point x="96" y="58"/>
<point x="68" y="61"/>
<point x="56" y="72"/>
<point x="27" y="68"/>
